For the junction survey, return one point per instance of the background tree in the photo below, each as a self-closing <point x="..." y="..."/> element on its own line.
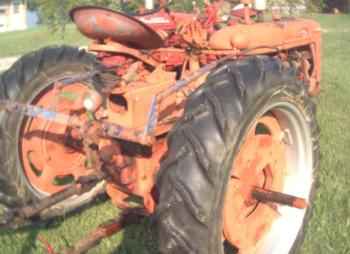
<point x="55" y="13"/>
<point x="342" y="5"/>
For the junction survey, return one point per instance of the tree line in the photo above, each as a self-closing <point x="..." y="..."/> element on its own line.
<point x="55" y="13"/>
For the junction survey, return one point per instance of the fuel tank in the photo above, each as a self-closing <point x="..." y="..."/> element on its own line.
<point x="99" y="24"/>
<point x="266" y="34"/>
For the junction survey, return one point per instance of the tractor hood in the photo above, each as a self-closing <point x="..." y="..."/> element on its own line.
<point x="264" y="35"/>
<point x="99" y="24"/>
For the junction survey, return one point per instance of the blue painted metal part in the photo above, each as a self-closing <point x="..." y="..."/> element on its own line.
<point x="35" y="111"/>
<point x="152" y="117"/>
<point x="107" y="129"/>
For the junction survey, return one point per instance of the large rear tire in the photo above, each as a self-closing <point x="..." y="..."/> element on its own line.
<point x="29" y="77"/>
<point x="195" y="179"/>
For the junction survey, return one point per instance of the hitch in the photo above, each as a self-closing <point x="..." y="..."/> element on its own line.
<point x="127" y="218"/>
<point x="22" y="216"/>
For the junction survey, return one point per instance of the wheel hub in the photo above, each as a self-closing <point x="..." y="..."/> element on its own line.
<point x="50" y="155"/>
<point x="260" y="163"/>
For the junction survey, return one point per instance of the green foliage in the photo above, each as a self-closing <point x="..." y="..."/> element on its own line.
<point x="32" y="5"/>
<point x="185" y="5"/>
<point x="312" y="5"/>
<point x="131" y="5"/>
<point x="317" y="5"/>
<point x="342" y="5"/>
<point x="55" y="13"/>
<point x="328" y="5"/>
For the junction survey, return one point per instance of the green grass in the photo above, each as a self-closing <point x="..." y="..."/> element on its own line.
<point x="18" y="43"/>
<point x="329" y="231"/>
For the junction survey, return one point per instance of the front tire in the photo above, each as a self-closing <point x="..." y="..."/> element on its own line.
<point x="195" y="178"/>
<point x="28" y="81"/>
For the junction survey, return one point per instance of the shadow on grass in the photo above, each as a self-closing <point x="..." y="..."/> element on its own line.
<point x="32" y="233"/>
<point x="138" y="239"/>
<point x="29" y="243"/>
<point x="142" y="239"/>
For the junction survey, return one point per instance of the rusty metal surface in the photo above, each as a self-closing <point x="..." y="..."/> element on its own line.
<point x="258" y="168"/>
<point x="99" y="24"/>
<point x="180" y="84"/>
<point x="281" y="33"/>
<point x="22" y="216"/>
<point x="129" y="136"/>
<point x="106" y="129"/>
<point x="118" y="48"/>
<point x="127" y="218"/>
<point x="263" y="195"/>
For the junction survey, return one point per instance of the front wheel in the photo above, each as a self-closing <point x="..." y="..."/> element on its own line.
<point x="251" y="125"/>
<point x="40" y="157"/>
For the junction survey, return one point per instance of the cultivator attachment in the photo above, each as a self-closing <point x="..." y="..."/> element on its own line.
<point x="23" y="216"/>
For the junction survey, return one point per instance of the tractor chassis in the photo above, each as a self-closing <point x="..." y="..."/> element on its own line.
<point x="100" y="171"/>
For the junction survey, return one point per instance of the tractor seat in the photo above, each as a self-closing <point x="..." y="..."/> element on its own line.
<point x="99" y="23"/>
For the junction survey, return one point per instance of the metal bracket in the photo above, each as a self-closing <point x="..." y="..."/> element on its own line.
<point x="177" y="86"/>
<point x="22" y="216"/>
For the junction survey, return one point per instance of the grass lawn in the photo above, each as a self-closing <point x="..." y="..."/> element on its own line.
<point x="329" y="231"/>
<point x="18" y="43"/>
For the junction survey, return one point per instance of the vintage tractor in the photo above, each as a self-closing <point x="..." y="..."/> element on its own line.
<point x="204" y="121"/>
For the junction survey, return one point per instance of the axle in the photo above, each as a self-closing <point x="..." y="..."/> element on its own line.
<point x="263" y="195"/>
<point x="269" y="196"/>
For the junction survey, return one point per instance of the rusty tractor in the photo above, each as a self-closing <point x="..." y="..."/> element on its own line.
<point x="205" y="118"/>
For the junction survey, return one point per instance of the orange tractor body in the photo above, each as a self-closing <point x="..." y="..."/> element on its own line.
<point x="155" y="69"/>
<point x="117" y="127"/>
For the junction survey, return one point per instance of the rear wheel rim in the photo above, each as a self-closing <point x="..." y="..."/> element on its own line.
<point x="277" y="155"/>
<point x="50" y="157"/>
